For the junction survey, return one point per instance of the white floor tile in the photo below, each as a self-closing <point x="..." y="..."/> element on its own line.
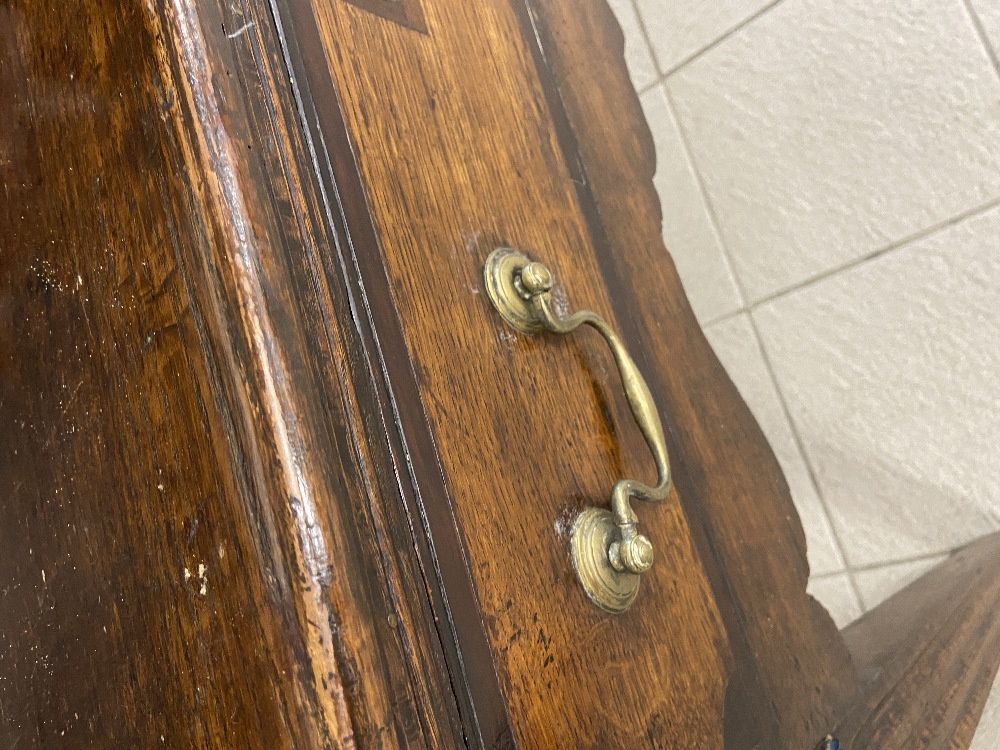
<point x="827" y="129"/>
<point x="835" y="593"/>
<point x="988" y="12"/>
<point x="679" y="29"/>
<point x="892" y="375"/>
<point x="638" y="56"/>
<point x="736" y="346"/>
<point x="877" y="584"/>
<point x="688" y="231"/>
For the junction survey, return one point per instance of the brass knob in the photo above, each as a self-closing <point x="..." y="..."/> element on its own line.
<point x="635" y="555"/>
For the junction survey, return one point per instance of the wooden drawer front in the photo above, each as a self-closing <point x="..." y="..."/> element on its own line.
<point x="510" y="436"/>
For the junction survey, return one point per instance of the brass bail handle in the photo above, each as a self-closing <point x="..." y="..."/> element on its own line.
<point x="609" y="554"/>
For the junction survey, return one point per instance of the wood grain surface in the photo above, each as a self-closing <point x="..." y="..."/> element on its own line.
<point x="794" y="675"/>
<point x="526" y="431"/>
<point x="409" y="13"/>
<point x="927" y="657"/>
<point x="201" y="547"/>
<point x="274" y="473"/>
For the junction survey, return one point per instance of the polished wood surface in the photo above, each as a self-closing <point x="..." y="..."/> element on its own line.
<point x="527" y="431"/>
<point x="793" y="675"/>
<point x="199" y="542"/>
<point x="275" y="474"/>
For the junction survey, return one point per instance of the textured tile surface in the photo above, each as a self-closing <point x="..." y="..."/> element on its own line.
<point x="877" y="584"/>
<point x="638" y="57"/>
<point x="988" y="12"/>
<point x="688" y="231"/>
<point x="736" y="346"/>
<point x="679" y="29"/>
<point x="835" y="593"/>
<point x="892" y="374"/>
<point x="827" y="129"/>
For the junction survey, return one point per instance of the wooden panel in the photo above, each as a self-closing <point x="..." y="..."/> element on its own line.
<point x="928" y="656"/>
<point x="794" y="674"/>
<point x="126" y="526"/>
<point x="458" y="152"/>
<point x="203" y="547"/>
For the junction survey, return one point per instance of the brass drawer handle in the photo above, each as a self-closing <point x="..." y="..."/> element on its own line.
<point x="609" y="554"/>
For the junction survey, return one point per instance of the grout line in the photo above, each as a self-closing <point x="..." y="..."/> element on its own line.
<point x="824" y="504"/>
<point x="824" y="576"/>
<point x="983" y="36"/>
<point x="846" y="570"/>
<point x="709" y="205"/>
<point x="800" y="446"/>
<point x="856" y="590"/>
<point x="725" y="317"/>
<point x="852" y="571"/>
<point x="869" y="567"/>
<point x="849" y="571"/>
<point x="649" y="86"/>
<point x="666" y="73"/>
<point x="741" y="291"/>
<point x="903" y="560"/>
<point x="649" y="47"/>
<point x="702" y="188"/>
<point x="896" y="245"/>
<point x="727" y="257"/>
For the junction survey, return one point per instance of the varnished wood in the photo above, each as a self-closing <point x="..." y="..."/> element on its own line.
<point x="278" y="476"/>
<point x="409" y="13"/>
<point x="927" y="657"/>
<point x="471" y="158"/>
<point x="168" y="376"/>
<point x="794" y="675"/>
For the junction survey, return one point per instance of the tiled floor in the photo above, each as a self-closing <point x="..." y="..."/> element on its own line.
<point x="830" y="179"/>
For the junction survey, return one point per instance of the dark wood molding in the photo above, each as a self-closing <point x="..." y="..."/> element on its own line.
<point x="357" y="262"/>
<point x="233" y="541"/>
<point x="927" y="657"/>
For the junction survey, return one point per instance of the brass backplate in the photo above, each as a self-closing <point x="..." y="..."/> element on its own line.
<point x="502" y="274"/>
<point x="593" y="532"/>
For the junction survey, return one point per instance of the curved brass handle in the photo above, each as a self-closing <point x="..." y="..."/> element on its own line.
<point x="609" y="553"/>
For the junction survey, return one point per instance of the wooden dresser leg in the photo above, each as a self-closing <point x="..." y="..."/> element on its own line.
<point x="927" y="657"/>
